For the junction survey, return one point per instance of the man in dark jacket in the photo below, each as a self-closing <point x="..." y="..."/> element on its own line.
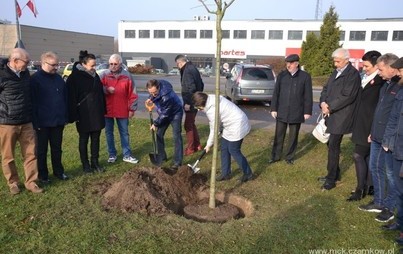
<point x="291" y="105"/>
<point x="169" y="109"/>
<point x="49" y="99"/>
<point x="338" y="103"/>
<point x="16" y="121"/>
<point x="191" y="82"/>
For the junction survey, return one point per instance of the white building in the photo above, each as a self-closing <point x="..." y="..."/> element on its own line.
<point x="249" y="40"/>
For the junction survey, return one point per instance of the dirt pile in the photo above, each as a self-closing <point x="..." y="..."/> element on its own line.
<point x="155" y="191"/>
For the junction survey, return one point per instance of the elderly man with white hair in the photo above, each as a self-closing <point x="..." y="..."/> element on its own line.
<point x="121" y="103"/>
<point x="338" y="103"/>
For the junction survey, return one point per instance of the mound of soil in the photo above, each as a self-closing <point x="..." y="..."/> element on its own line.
<point x="155" y="191"/>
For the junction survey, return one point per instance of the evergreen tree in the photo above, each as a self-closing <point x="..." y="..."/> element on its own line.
<point x="318" y="58"/>
<point x="308" y="51"/>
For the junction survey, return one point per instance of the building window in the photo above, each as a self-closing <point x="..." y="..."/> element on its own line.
<point x="225" y="34"/>
<point x="379" y="35"/>
<point x="397" y="36"/>
<point x="295" y="35"/>
<point x="342" y="36"/>
<point x="130" y="33"/>
<point x="239" y="34"/>
<point x="275" y="34"/>
<point x="174" y="34"/>
<point x="206" y="34"/>
<point x="257" y="34"/>
<point x="357" y="35"/>
<point x="190" y="34"/>
<point x="144" y="33"/>
<point x="316" y="33"/>
<point x="159" y="34"/>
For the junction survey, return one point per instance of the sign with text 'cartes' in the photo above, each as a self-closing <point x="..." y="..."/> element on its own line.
<point x="238" y="54"/>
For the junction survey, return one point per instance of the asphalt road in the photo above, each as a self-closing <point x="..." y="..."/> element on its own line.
<point x="257" y="112"/>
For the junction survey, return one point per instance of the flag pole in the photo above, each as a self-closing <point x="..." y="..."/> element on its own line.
<point x="17" y="24"/>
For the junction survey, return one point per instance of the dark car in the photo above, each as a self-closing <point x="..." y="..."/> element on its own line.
<point x="248" y="82"/>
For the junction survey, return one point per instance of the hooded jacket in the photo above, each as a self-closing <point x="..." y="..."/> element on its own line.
<point x="15" y="96"/>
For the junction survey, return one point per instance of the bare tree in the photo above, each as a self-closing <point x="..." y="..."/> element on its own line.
<point x="219" y="12"/>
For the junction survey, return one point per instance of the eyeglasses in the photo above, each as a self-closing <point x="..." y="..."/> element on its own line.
<point x="25" y="61"/>
<point x="113" y="64"/>
<point x="53" y="65"/>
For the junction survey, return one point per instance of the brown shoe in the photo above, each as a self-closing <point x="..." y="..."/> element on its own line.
<point x="14" y="190"/>
<point x="35" y="189"/>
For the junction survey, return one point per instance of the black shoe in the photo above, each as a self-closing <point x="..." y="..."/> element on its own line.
<point x="175" y="167"/>
<point x="246" y="178"/>
<point x="328" y="186"/>
<point x="357" y="195"/>
<point x="63" y="177"/>
<point x="273" y="161"/>
<point x="97" y="168"/>
<point x="290" y="162"/>
<point x="88" y="170"/>
<point x="385" y="216"/>
<point x="371" y="207"/>
<point x="390" y="227"/>
<point x="222" y="178"/>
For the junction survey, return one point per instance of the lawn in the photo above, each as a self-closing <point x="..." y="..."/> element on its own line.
<point x="291" y="213"/>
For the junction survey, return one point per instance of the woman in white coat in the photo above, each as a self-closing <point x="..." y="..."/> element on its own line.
<point x="235" y="126"/>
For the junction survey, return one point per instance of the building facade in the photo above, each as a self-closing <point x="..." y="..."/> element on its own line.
<point x="249" y="40"/>
<point x="67" y="44"/>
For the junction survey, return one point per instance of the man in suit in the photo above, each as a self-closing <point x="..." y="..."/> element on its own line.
<point x="338" y="103"/>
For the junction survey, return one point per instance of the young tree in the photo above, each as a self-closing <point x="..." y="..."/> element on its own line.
<point x="219" y="12"/>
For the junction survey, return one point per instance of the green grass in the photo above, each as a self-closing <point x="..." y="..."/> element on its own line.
<point x="292" y="214"/>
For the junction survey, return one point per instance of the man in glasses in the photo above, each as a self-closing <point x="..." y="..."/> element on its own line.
<point x="121" y="103"/>
<point x="16" y="121"/>
<point x="49" y="101"/>
<point x="169" y="109"/>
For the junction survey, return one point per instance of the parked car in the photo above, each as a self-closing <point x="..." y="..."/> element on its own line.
<point x="67" y="71"/>
<point x="159" y="71"/>
<point x="247" y="82"/>
<point x="174" y="72"/>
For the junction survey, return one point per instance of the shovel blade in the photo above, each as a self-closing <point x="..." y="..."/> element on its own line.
<point x="154" y="159"/>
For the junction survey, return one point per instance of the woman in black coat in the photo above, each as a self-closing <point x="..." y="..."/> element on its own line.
<point x="367" y="101"/>
<point x="87" y="108"/>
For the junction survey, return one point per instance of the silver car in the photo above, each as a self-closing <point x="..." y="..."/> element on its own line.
<point x="248" y="82"/>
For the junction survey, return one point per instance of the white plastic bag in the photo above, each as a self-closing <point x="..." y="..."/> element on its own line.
<point x="320" y="130"/>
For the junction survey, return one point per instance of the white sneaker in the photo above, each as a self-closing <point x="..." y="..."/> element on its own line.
<point x="130" y="159"/>
<point x="112" y="159"/>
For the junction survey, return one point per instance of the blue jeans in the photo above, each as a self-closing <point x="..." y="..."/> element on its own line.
<point x="123" y="126"/>
<point x="381" y="165"/>
<point x="176" y="124"/>
<point x="233" y="148"/>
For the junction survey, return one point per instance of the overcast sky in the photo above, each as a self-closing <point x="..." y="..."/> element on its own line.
<point x="102" y="17"/>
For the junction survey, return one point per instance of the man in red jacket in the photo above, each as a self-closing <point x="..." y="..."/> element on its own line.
<point x="121" y="103"/>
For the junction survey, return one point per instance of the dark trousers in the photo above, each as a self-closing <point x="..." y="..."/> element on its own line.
<point x="52" y="136"/>
<point x="361" y="161"/>
<point x="279" y="136"/>
<point x="83" y="147"/>
<point x="192" y="135"/>
<point x="333" y="157"/>
<point x="233" y="148"/>
<point x="176" y="124"/>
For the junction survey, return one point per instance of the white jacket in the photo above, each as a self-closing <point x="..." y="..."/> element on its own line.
<point x="234" y="121"/>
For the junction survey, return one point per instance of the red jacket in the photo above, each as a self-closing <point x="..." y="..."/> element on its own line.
<point x="124" y="98"/>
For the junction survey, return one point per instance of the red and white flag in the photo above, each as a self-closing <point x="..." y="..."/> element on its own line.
<point x="18" y="9"/>
<point x="31" y="5"/>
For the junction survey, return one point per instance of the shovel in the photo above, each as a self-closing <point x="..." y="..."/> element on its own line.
<point x="193" y="167"/>
<point x="154" y="155"/>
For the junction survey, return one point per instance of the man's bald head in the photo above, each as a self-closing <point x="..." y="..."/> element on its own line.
<point x="19" y="59"/>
